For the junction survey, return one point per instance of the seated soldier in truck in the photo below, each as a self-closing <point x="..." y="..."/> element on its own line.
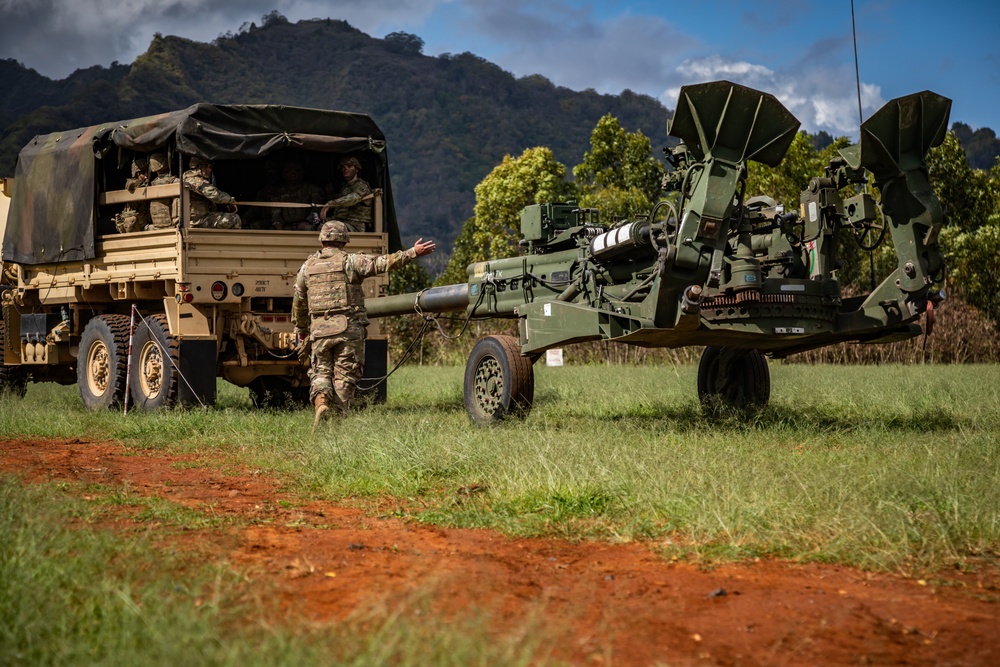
<point x="163" y="214"/>
<point x="296" y="189"/>
<point x="205" y="196"/>
<point x="134" y="218"/>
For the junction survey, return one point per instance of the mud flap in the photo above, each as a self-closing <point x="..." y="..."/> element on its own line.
<point x="198" y="359"/>
<point x="376" y="367"/>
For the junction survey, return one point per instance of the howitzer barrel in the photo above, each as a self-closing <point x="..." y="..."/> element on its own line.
<point x="444" y="299"/>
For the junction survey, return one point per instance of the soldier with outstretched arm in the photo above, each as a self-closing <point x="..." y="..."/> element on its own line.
<point x="329" y="309"/>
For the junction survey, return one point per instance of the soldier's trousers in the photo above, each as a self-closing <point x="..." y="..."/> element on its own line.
<point x="219" y="220"/>
<point x="336" y="365"/>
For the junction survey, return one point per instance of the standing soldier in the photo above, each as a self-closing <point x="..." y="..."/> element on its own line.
<point x="204" y="197"/>
<point x="329" y="309"/>
<point x="353" y="200"/>
<point x="164" y="214"/>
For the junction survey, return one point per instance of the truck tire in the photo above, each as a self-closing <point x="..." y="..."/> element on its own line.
<point x="102" y="362"/>
<point x="272" y="392"/>
<point x="733" y="381"/>
<point x="155" y="359"/>
<point x="499" y="382"/>
<point x="13" y="379"/>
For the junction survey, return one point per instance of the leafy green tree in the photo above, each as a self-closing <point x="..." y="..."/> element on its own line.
<point x="969" y="196"/>
<point x="974" y="265"/>
<point x="785" y="182"/>
<point x="618" y="175"/>
<point x="404" y="42"/>
<point x="535" y="177"/>
<point x="971" y="237"/>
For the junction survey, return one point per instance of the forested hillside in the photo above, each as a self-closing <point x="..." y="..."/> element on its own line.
<point x="449" y="119"/>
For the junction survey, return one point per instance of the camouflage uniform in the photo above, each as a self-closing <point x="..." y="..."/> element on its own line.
<point x="304" y="193"/>
<point x="204" y="197"/>
<point x="354" y="213"/>
<point x="139" y="175"/>
<point x="134" y="219"/>
<point x="164" y="214"/>
<point x="329" y="304"/>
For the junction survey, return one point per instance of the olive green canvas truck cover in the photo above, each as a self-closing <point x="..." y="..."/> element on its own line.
<point x="52" y="211"/>
<point x="210" y="302"/>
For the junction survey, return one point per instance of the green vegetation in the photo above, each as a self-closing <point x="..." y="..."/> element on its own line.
<point x="888" y="468"/>
<point x="449" y="118"/>
<point x="83" y="596"/>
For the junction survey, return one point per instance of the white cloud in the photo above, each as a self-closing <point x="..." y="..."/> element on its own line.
<point x="574" y="47"/>
<point x="824" y="98"/>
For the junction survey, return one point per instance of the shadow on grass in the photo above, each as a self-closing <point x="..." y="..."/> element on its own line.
<point x="688" y="417"/>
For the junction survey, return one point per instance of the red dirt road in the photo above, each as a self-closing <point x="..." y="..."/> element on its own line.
<point x="598" y="604"/>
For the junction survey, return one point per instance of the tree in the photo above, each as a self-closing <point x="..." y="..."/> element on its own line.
<point x="618" y="175"/>
<point x="404" y="42"/>
<point x="786" y="182"/>
<point x="971" y="236"/>
<point x="967" y="194"/>
<point x="535" y="177"/>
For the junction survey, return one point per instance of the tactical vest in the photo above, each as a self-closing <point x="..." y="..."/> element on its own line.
<point x="326" y="281"/>
<point x="163" y="213"/>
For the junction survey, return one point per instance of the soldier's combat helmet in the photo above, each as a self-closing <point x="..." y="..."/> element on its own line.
<point x="157" y="162"/>
<point x="334" y="232"/>
<point x="350" y="160"/>
<point x="138" y="166"/>
<point x="197" y="162"/>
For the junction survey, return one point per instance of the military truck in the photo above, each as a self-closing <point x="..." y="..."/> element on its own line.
<point x="152" y="318"/>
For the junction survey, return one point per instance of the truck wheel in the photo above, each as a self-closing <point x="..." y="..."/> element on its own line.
<point x="101" y="364"/>
<point x="13" y="379"/>
<point x="268" y="391"/>
<point x="733" y="380"/>
<point x="499" y="382"/>
<point x="155" y="358"/>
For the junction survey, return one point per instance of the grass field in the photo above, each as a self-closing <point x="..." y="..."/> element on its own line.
<point x="889" y="468"/>
<point x="884" y="468"/>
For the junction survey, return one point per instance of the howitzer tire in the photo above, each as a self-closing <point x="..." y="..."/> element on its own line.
<point x="499" y="382"/>
<point x="13" y="379"/>
<point x="268" y="391"/>
<point x="155" y="363"/>
<point x="102" y="362"/>
<point x="733" y="381"/>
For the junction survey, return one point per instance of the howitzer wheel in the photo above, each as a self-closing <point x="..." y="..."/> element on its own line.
<point x="155" y="357"/>
<point x="499" y="382"/>
<point x="731" y="380"/>
<point x="102" y="361"/>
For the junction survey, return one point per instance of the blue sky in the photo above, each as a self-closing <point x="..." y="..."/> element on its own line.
<point x="801" y="51"/>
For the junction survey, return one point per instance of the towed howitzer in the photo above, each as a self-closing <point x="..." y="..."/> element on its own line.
<point x="736" y="274"/>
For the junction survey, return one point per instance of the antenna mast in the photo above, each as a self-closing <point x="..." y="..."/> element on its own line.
<point x="857" y="72"/>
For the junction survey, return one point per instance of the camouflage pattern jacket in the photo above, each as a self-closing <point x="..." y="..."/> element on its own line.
<point x="164" y="213"/>
<point x="353" y="212"/>
<point x="305" y="193"/>
<point x="328" y="296"/>
<point x="204" y="195"/>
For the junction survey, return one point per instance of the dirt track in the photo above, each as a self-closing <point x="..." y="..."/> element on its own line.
<point x="601" y="604"/>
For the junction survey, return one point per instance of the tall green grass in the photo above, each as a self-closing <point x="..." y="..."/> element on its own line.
<point x="887" y="468"/>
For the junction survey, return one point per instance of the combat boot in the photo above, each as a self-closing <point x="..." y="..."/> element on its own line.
<point x="321" y="407"/>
